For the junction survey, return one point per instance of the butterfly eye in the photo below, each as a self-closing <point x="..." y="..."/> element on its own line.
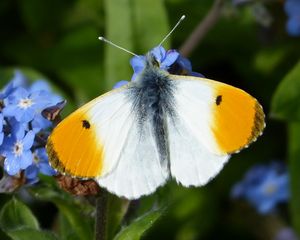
<point x="155" y="63"/>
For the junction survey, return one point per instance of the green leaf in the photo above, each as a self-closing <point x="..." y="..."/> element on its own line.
<point x="65" y="230"/>
<point x="150" y="24"/>
<point x="138" y="227"/>
<point x="81" y="225"/>
<point x="119" y="30"/>
<point x="15" y="214"/>
<point x="30" y="234"/>
<point x="285" y="102"/>
<point x="294" y="166"/>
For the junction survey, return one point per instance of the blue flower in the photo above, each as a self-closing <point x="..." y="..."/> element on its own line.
<point x="16" y="149"/>
<point x="170" y="61"/>
<point x="286" y="233"/>
<point x="25" y="104"/>
<point x="49" y="99"/>
<point x="120" y="84"/>
<point x="1" y="128"/>
<point x="293" y="26"/>
<point x="164" y="58"/>
<point x="292" y="9"/>
<point x="40" y="165"/>
<point x="17" y="81"/>
<point x="264" y="187"/>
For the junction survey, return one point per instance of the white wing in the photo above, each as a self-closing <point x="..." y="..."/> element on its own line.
<point x="139" y="170"/>
<point x="193" y="159"/>
<point x="191" y="163"/>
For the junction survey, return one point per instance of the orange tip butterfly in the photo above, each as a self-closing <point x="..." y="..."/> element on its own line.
<point x="132" y="139"/>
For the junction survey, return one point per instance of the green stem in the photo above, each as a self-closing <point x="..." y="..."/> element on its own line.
<point x="294" y="166"/>
<point x="101" y="215"/>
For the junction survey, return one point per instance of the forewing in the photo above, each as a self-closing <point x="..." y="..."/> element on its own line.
<point x="88" y="143"/>
<point x="212" y="121"/>
<point x="225" y="119"/>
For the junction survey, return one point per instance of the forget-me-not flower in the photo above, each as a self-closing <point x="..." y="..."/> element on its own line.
<point x="264" y="187"/>
<point x="23" y="141"/>
<point x="16" y="149"/>
<point x="170" y="61"/>
<point x="292" y="9"/>
<point x="18" y="81"/>
<point x="40" y="165"/>
<point x="1" y="128"/>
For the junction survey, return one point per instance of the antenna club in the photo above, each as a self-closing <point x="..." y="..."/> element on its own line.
<point x="183" y="17"/>
<point x="101" y="38"/>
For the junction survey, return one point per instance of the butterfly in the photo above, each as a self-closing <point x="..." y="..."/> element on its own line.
<point x="131" y="140"/>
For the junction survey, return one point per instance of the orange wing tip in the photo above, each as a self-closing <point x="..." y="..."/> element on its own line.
<point x="55" y="162"/>
<point x="258" y="124"/>
<point x="258" y="127"/>
<point x="53" y="158"/>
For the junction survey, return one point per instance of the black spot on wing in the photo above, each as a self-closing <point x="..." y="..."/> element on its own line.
<point x="86" y="124"/>
<point x="218" y="99"/>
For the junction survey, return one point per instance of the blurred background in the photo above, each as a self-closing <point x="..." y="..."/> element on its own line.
<point x="249" y="45"/>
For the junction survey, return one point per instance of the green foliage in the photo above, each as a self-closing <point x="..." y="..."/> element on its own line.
<point x="29" y="234"/>
<point x="294" y="165"/>
<point x="15" y="214"/>
<point x="285" y="104"/>
<point x="137" y="228"/>
<point x="57" y="41"/>
<point x="71" y="211"/>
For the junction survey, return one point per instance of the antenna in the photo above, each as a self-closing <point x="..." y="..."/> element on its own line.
<point x="179" y="21"/>
<point x="117" y="46"/>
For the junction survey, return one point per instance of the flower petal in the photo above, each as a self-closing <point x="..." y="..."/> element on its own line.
<point x="11" y="164"/>
<point x="10" y="110"/>
<point x="46" y="169"/>
<point x="32" y="171"/>
<point x="28" y="140"/>
<point x="120" y="84"/>
<point x="39" y="86"/>
<point x="171" y="57"/>
<point x="26" y="159"/>
<point x="159" y="53"/>
<point x="137" y="63"/>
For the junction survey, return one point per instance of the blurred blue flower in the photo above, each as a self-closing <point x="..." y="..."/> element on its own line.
<point x="184" y="68"/>
<point x="16" y="149"/>
<point x="40" y="165"/>
<point x="292" y="9"/>
<point x="264" y="187"/>
<point x="293" y="26"/>
<point x="286" y="233"/>
<point x="1" y="128"/>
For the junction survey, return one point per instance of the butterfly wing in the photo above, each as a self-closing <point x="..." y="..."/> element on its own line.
<point x="88" y="143"/>
<point x="139" y="170"/>
<point x="102" y="140"/>
<point x="213" y="120"/>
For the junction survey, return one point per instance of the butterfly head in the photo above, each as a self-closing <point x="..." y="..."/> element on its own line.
<point x="152" y="61"/>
